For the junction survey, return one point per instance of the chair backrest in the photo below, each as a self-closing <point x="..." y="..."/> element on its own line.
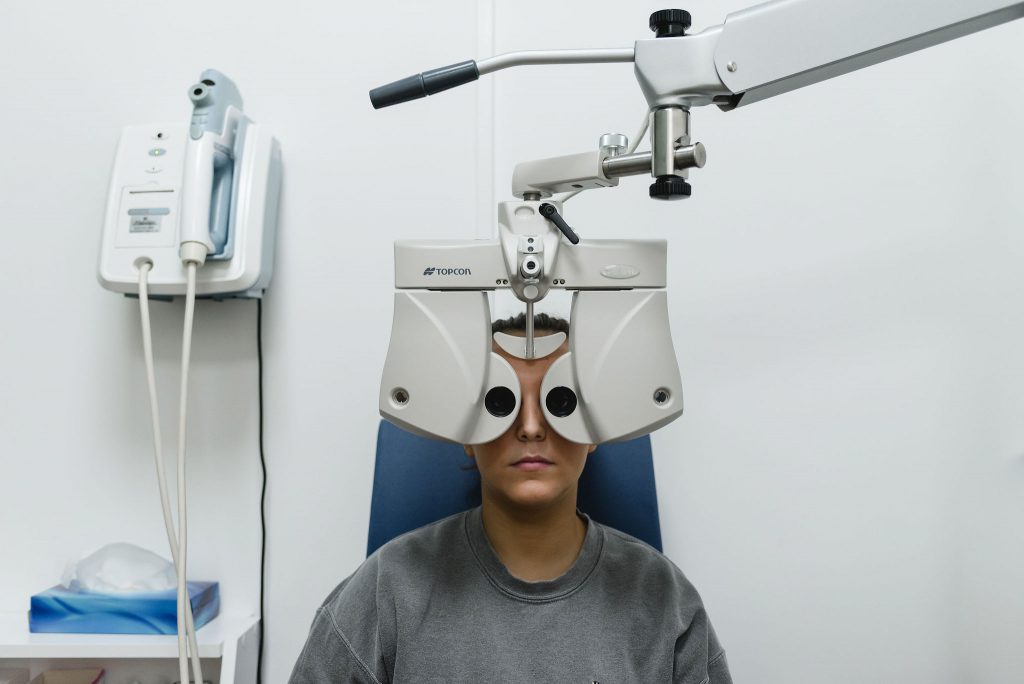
<point x="417" y="481"/>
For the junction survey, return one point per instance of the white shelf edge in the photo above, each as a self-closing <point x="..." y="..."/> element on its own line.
<point x="16" y="642"/>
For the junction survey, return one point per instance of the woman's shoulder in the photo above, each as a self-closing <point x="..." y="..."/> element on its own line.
<point x="625" y="556"/>
<point x="620" y="542"/>
<point x="399" y="562"/>
<point x="423" y="543"/>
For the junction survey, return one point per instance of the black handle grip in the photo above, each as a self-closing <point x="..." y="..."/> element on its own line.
<point x="427" y="83"/>
<point x="549" y="212"/>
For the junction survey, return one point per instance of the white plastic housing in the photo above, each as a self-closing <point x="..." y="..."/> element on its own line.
<point x="440" y="366"/>
<point x="621" y="362"/>
<point x="620" y="359"/>
<point x="621" y="365"/>
<point x="144" y="208"/>
<point x="480" y="265"/>
<point x="197" y="192"/>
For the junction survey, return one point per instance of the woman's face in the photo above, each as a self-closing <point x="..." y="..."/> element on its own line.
<point x="530" y="465"/>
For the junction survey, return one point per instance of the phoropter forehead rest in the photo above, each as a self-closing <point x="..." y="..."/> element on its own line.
<point x="515" y="345"/>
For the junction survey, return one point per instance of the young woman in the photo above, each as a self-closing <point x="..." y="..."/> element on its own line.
<point x="524" y="588"/>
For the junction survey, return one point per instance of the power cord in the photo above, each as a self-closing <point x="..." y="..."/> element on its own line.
<point x="263" y="489"/>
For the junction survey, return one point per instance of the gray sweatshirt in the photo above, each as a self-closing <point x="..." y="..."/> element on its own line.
<point x="437" y="605"/>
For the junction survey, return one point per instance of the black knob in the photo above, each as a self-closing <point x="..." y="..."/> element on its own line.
<point x="670" y="188"/>
<point x="668" y="23"/>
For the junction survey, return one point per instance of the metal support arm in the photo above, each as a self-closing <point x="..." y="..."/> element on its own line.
<point x="779" y="46"/>
<point x="760" y="52"/>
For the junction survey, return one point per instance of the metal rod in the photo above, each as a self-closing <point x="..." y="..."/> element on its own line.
<point x="529" y="330"/>
<point x="526" y="57"/>
<point x="691" y="156"/>
<point x="671" y="127"/>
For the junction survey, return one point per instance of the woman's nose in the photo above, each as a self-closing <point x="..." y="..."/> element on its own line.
<point x="532" y="425"/>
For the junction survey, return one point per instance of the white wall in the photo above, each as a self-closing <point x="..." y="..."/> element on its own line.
<point x="845" y="487"/>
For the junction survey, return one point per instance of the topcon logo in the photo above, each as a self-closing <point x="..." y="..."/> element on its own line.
<point x="431" y="270"/>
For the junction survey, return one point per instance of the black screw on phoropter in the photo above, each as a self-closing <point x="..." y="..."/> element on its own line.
<point x="670" y="23"/>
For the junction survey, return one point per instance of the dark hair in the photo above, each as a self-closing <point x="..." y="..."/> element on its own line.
<point x="541" y="321"/>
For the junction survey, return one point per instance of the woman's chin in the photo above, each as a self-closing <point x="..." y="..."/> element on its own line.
<point x="534" y="494"/>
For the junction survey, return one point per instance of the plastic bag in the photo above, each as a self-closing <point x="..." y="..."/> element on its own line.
<point x="121" y="568"/>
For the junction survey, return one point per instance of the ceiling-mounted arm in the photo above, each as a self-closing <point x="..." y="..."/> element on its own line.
<point x="437" y="80"/>
<point x="779" y="46"/>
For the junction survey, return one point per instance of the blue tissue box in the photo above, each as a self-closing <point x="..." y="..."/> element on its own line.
<point x="86" y="612"/>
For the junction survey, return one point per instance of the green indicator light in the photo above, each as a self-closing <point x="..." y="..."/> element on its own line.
<point x="157" y="152"/>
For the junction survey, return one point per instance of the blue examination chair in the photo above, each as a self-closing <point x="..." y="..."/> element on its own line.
<point x="417" y="481"/>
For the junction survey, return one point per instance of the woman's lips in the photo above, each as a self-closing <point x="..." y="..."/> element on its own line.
<point x="532" y="463"/>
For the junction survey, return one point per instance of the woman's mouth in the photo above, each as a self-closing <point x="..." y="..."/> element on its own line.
<point x="532" y="463"/>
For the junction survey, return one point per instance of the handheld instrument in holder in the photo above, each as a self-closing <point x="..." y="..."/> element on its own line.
<point x="210" y="161"/>
<point x="204" y="190"/>
<point x="192" y="211"/>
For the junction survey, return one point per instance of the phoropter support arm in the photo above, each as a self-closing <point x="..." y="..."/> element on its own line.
<point x="757" y="53"/>
<point x="827" y="39"/>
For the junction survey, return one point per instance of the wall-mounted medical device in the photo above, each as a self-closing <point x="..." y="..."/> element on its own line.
<point x="212" y="181"/>
<point x="620" y="377"/>
<point x="191" y="211"/>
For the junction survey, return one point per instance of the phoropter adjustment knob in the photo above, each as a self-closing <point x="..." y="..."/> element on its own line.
<point x="669" y="23"/>
<point x="670" y="188"/>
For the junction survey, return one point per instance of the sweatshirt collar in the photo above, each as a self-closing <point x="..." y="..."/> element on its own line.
<point x="546" y="590"/>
